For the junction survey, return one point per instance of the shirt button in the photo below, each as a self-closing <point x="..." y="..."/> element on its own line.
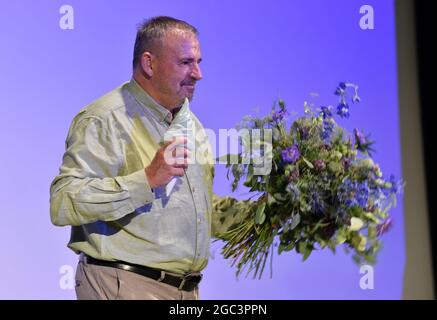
<point x="198" y="221"/>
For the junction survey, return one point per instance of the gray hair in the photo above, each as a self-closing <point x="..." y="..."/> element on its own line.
<point x="152" y="30"/>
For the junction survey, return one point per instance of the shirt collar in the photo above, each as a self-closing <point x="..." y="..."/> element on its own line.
<point x="148" y="102"/>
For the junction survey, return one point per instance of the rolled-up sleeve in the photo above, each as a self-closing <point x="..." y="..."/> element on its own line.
<point x="88" y="187"/>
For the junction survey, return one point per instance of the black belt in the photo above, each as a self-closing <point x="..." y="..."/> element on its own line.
<point x="188" y="282"/>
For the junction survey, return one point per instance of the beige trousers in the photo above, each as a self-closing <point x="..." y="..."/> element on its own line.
<point x="95" y="282"/>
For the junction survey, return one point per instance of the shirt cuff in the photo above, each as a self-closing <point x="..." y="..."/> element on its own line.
<point x="138" y="188"/>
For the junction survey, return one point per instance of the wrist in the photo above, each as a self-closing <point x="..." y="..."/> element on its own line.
<point x="149" y="178"/>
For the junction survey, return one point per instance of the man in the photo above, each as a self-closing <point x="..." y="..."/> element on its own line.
<point x="135" y="241"/>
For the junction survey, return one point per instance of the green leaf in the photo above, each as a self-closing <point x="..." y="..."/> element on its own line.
<point x="295" y="221"/>
<point x="331" y="245"/>
<point x="249" y="176"/>
<point x="305" y="249"/>
<point x="281" y="248"/>
<point x="276" y="134"/>
<point x="260" y="217"/>
<point x="309" y="164"/>
<point x="307" y="254"/>
<point x="270" y="199"/>
<point x="280" y="197"/>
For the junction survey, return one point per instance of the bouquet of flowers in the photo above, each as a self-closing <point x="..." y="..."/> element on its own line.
<point x="323" y="189"/>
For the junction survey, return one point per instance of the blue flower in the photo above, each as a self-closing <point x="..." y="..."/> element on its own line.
<point x="396" y="185"/>
<point x="353" y="193"/>
<point x="290" y="154"/>
<point x="328" y="127"/>
<point x="362" y="194"/>
<point x="316" y="203"/>
<point x="343" y="110"/>
<point x="293" y="191"/>
<point x="340" y="89"/>
<point x="326" y="112"/>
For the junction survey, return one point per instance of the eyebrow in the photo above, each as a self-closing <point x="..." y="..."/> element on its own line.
<point x="191" y="60"/>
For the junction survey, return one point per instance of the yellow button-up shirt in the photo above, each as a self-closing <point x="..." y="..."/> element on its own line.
<point x="103" y="193"/>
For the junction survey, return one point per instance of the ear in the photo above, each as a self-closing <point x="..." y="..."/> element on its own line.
<point x="146" y="63"/>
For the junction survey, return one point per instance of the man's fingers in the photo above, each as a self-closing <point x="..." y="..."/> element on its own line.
<point x="167" y="143"/>
<point x="181" y="152"/>
<point x="175" y="142"/>
<point x="181" y="164"/>
<point x="178" y="172"/>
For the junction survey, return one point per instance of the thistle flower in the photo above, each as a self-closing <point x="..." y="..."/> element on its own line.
<point x="293" y="191"/>
<point x="359" y="138"/>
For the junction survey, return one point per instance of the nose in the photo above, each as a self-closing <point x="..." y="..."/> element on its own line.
<point x="196" y="73"/>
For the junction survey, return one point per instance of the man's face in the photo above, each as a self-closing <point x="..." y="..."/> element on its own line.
<point x="176" y="68"/>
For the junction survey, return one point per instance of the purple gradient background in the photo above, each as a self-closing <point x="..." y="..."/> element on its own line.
<point x="253" y="52"/>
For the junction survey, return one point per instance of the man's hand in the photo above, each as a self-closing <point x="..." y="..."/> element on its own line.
<point x="169" y="161"/>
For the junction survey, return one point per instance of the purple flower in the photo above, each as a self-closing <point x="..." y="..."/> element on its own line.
<point x="346" y="162"/>
<point x="319" y="165"/>
<point x="294" y="175"/>
<point x="290" y="154"/>
<point x="343" y="110"/>
<point x="359" y="137"/>
<point x="384" y="227"/>
<point x="278" y="116"/>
